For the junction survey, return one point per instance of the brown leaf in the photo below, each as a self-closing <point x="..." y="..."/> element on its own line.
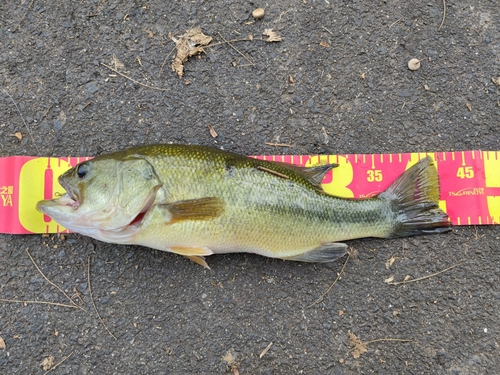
<point x="18" y="135"/>
<point x="189" y="44"/>
<point x="358" y="346"/>
<point x="389" y="280"/>
<point x="47" y="363"/>
<point x="229" y="357"/>
<point x="324" y="44"/>
<point x="273" y="37"/>
<point x="390" y="262"/>
<point x="212" y="131"/>
<point x="2" y="344"/>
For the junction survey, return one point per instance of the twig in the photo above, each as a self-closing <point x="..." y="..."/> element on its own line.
<point x="478" y="43"/>
<point x="377" y="340"/>
<point x="266" y="349"/>
<point x="78" y="295"/>
<point x="444" y="15"/>
<point x="395" y="22"/>
<point x="57" y="364"/>
<point x="273" y="172"/>
<point x="165" y="61"/>
<point x="423" y="277"/>
<point x="278" y="144"/>
<point x="93" y="303"/>
<point x="22" y="118"/>
<point x="329" y="32"/>
<point x="246" y="58"/>
<point x="51" y="283"/>
<point x="400" y="340"/>
<point x="331" y="286"/>
<point x="133" y="80"/>
<point x="46" y="112"/>
<point x="233" y="41"/>
<point x="39" y="302"/>
<point x="24" y="16"/>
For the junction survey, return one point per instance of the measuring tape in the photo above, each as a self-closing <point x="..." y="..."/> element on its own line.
<point x="469" y="181"/>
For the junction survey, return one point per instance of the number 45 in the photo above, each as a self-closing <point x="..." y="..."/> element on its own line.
<point x="465" y="172"/>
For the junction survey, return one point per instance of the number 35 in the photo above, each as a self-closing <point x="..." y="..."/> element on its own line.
<point x="374" y="175"/>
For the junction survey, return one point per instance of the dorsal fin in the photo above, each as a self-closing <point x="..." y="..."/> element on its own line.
<point x="315" y="174"/>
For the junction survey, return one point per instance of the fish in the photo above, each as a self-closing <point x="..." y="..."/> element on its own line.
<point x="196" y="201"/>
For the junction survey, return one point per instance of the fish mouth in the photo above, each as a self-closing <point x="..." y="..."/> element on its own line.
<point x="71" y="198"/>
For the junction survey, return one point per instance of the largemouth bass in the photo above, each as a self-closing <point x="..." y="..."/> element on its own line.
<point x="197" y="201"/>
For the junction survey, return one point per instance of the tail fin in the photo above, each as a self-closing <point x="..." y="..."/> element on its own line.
<point x="414" y="199"/>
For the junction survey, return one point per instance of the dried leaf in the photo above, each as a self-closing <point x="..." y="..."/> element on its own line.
<point x="18" y="135"/>
<point x="323" y="44"/>
<point x="212" y="131"/>
<point x="426" y="87"/>
<point x="273" y="37"/>
<point x="2" y="344"/>
<point x="117" y="64"/>
<point x="469" y="107"/>
<point x="389" y="280"/>
<point x="47" y="363"/>
<point x="341" y="312"/>
<point x="496" y="81"/>
<point x="407" y="277"/>
<point x="390" y="262"/>
<point x="358" y="346"/>
<point x="292" y="81"/>
<point x="189" y="44"/>
<point x="229" y="357"/>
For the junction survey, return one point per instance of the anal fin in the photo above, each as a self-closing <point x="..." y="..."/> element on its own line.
<point x="196" y="254"/>
<point x="325" y="253"/>
<point x="197" y="259"/>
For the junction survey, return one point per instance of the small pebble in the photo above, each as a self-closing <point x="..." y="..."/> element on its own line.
<point x="414" y="64"/>
<point x="258" y="13"/>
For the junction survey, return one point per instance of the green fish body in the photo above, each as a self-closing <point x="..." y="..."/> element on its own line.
<point x="197" y="201"/>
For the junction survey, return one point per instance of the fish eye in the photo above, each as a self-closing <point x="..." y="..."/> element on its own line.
<point x="82" y="170"/>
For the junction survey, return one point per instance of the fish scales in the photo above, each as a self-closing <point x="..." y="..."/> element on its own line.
<point x="296" y="217"/>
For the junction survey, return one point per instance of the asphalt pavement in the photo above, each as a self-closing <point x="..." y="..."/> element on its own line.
<point x="337" y="82"/>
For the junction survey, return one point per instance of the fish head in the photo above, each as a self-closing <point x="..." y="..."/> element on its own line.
<point x="104" y="193"/>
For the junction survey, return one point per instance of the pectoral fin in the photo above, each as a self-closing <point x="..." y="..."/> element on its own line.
<point x="193" y="209"/>
<point x="322" y="254"/>
<point x="196" y="254"/>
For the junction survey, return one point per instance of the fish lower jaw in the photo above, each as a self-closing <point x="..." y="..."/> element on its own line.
<point x="67" y="200"/>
